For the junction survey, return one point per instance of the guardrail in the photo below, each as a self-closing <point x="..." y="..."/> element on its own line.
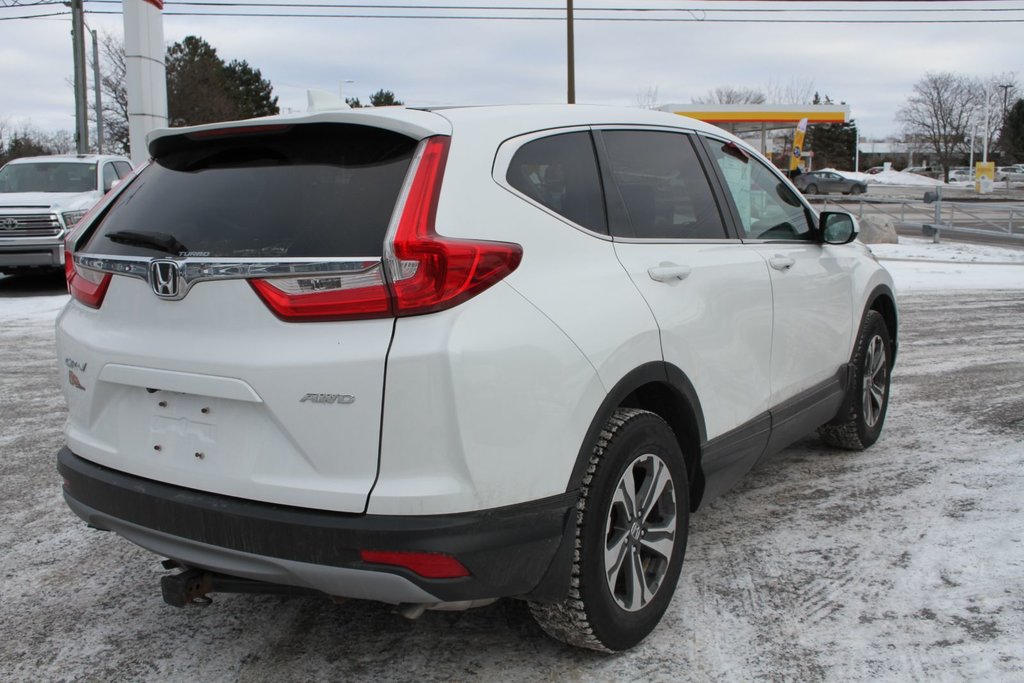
<point x="983" y="218"/>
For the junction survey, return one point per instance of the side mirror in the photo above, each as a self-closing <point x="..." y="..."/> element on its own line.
<point x="112" y="184"/>
<point x="838" y="227"/>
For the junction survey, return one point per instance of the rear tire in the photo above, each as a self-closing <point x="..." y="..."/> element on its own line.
<point x="869" y="396"/>
<point x="632" y="523"/>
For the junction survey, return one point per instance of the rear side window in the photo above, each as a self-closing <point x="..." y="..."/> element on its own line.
<point x="561" y="173"/>
<point x="663" y="186"/>
<point x="317" y="190"/>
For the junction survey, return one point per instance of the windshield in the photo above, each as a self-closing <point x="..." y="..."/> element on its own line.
<point x="315" y="190"/>
<point x="48" y="176"/>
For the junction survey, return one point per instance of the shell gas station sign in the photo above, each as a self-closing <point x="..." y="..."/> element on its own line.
<point x="984" y="176"/>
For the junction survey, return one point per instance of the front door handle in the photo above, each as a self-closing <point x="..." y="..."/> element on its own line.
<point x="779" y="262"/>
<point x="669" y="272"/>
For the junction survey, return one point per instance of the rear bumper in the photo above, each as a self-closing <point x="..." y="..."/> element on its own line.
<point x="511" y="551"/>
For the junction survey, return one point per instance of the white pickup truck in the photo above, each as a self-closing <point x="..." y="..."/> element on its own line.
<point x="41" y="198"/>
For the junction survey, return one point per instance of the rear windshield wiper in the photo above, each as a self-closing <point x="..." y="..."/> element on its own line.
<point x="159" y="241"/>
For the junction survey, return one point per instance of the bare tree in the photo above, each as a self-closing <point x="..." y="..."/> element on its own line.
<point x="727" y="94"/>
<point x="939" y="113"/>
<point x="115" y="94"/>
<point x="648" y="99"/>
<point x="797" y="90"/>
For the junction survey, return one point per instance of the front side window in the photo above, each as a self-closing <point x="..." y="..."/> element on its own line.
<point x="560" y="172"/>
<point x="109" y="176"/>
<point x="768" y="209"/>
<point x="663" y="186"/>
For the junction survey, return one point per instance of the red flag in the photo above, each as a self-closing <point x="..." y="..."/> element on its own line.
<point x="159" y="4"/>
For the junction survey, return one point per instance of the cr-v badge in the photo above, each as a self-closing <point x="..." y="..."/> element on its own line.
<point x="164" y="278"/>
<point x="340" y="399"/>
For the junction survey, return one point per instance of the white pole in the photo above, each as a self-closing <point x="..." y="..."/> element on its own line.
<point x="984" y="151"/>
<point x="145" y="72"/>
<point x="974" y="134"/>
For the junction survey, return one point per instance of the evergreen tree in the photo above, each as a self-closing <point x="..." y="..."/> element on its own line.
<point x="384" y="98"/>
<point x="833" y="144"/>
<point x="253" y="95"/>
<point x="1012" y="137"/>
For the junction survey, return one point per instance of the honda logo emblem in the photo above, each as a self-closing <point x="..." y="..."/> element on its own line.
<point x="165" y="279"/>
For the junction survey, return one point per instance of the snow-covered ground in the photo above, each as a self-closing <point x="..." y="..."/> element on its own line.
<point x="904" y="562"/>
<point x="917" y="264"/>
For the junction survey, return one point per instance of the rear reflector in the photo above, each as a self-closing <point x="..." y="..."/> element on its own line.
<point x="427" y="565"/>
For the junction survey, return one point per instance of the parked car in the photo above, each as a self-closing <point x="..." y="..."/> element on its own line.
<point x="436" y="357"/>
<point x="957" y="175"/>
<point x="41" y="198"/>
<point x="826" y="182"/>
<point x="1013" y="174"/>
<point x="875" y="170"/>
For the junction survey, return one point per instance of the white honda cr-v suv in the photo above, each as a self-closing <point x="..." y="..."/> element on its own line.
<point x="439" y="357"/>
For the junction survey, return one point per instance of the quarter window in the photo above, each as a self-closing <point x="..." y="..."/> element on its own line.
<point x="560" y="172"/>
<point x="768" y="209"/>
<point x="663" y="186"/>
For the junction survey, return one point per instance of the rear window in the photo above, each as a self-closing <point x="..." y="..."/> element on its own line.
<point x="316" y="190"/>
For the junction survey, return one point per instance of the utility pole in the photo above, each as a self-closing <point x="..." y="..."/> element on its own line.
<point x="570" y="57"/>
<point x="99" y="95"/>
<point x="1006" y="89"/>
<point x="81" y="99"/>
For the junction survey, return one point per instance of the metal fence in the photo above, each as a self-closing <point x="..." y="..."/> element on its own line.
<point x="984" y="218"/>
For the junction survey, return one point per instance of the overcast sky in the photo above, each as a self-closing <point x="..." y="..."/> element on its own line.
<point x="872" y="67"/>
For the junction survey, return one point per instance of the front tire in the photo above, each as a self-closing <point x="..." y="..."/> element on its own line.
<point x="861" y="425"/>
<point x="632" y="525"/>
<point x="811" y="189"/>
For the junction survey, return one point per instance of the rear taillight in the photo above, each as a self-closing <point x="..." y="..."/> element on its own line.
<point x="86" y="286"/>
<point x="422" y="272"/>
<point x="429" y="272"/>
<point x="343" y="297"/>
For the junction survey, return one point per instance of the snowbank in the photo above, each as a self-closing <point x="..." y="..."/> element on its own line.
<point x="920" y="265"/>
<point x="889" y="178"/>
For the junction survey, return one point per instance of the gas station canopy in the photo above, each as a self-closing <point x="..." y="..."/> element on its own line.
<point x="773" y="115"/>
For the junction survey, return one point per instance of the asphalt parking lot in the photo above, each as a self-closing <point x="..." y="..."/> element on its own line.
<point x="904" y="562"/>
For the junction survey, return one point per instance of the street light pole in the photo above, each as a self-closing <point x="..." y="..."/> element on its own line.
<point x="81" y="99"/>
<point x="1006" y="89"/>
<point x="984" y="149"/>
<point x="99" y="94"/>
<point x="570" y="54"/>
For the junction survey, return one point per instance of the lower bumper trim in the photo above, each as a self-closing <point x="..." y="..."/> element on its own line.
<point x="506" y="550"/>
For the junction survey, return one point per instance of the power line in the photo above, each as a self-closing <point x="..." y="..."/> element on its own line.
<point x="454" y="17"/>
<point x="35" y="16"/>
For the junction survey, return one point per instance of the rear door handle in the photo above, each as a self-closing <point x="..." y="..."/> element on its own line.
<point x="779" y="262"/>
<point x="669" y="272"/>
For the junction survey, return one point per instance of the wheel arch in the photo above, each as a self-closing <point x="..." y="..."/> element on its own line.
<point x="665" y="390"/>
<point x="883" y="301"/>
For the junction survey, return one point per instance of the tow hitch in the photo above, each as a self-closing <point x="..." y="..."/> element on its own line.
<point x="192" y="587"/>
